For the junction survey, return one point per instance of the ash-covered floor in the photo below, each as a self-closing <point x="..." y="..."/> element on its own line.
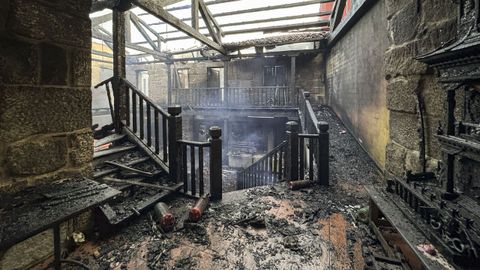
<point x="262" y="228"/>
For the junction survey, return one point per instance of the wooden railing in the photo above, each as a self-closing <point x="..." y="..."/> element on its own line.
<point x="159" y="134"/>
<point x="265" y="171"/>
<point x="301" y="156"/>
<point x="262" y="96"/>
<point x="192" y="159"/>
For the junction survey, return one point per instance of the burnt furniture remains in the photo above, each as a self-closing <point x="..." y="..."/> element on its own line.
<point x="36" y="209"/>
<point x="445" y="209"/>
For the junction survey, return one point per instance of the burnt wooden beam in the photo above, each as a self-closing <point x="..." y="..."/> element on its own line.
<point x="266" y="29"/>
<point x="301" y="16"/>
<point x="210" y="17"/>
<point x="142" y="31"/>
<point x="267" y="8"/>
<point x="107" y="38"/>
<point x="148" y="27"/>
<point x="337" y="14"/>
<point x="153" y="8"/>
<point x="208" y="22"/>
<point x="101" y="19"/>
<point x="195" y="22"/>
<point x="119" y="70"/>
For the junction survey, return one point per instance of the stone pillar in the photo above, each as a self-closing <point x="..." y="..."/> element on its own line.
<point x="45" y="100"/>
<point x="45" y="103"/>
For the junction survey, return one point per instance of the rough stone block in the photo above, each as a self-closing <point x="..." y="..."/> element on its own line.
<point x="81" y="147"/>
<point x="399" y="61"/>
<point x="72" y="7"/>
<point x="401" y="94"/>
<point x="395" y="159"/>
<point x="54" y="66"/>
<point x="412" y="162"/>
<point x="404" y="24"/>
<point x="18" y="62"/>
<point x="80" y="66"/>
<point x="403" y="129"/>
<point x="434" y="96"/>
<point x="33" y="110"/>
<point x="43" y="24"/>
<point x="435" y="35"/>
<point x="37" y="155"/>
<point x="437" y="10"/>
<point x="394" y="6"/>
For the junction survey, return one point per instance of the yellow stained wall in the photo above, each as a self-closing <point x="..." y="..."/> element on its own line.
<point x="98" y="65"/>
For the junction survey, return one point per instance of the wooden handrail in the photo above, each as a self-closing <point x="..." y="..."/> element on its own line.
<point x="194" y="143"/>
<point x="146" y="98"/>
<point x="273" y="151"/>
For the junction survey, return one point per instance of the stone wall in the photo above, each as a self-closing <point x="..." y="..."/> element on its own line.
<point x="310" y="75"/>
<point x="45" y="102"/>
<point x="415" y="28"/>
<point x="356" y="87"/>
<point x="157" y="79"/>
<point x="45" y="93"/>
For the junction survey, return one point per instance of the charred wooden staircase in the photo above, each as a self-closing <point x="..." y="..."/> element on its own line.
<point x="146" y="157"/>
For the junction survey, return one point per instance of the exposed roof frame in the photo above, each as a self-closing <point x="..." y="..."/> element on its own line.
<point x="264" y="29"/>
<point x="99" y="33"/>
<point x="136" y="22"/>
<point x="156" y="10"/>
<point x="251" y="10"/>
<point x="337" y="14"/>
<point x="293" y="17"/>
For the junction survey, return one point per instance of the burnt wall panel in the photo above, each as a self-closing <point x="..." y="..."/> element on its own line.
<point x="356" y="87"/>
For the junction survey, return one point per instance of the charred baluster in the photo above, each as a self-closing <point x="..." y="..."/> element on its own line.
<point x="310" y="160"/>
<point x="140" y="109"/>
<point x="302" y="157"/>
<point x="164" y="137"/>
<point x="200" y="170"/>
<point x="134" y="111"/>
<point x="149" y="124"/>
<point x="184" y="168"/>
<point x="192" y="169"/>
<point x="127" y="105"/>
<point x="157" y="131"/>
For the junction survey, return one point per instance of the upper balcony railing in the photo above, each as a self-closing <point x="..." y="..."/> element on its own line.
<point x="244" y="97"/>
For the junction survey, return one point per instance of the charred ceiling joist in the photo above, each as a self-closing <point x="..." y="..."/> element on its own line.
<point x="158" y="11"/>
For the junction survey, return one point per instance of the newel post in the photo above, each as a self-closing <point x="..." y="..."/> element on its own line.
<point x="174" y="134"/>
<point x="323" y="154"/>
<point x="215" y="163"/>
<point x="292" y="151"/>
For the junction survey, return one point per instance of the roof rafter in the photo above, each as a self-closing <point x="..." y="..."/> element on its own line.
<point x="156" y="10"/>
<point x="293" y="17"/>
<point x="251" y="10"/>
<point x="136" y="22"/>
<point x="268" y="29"/>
